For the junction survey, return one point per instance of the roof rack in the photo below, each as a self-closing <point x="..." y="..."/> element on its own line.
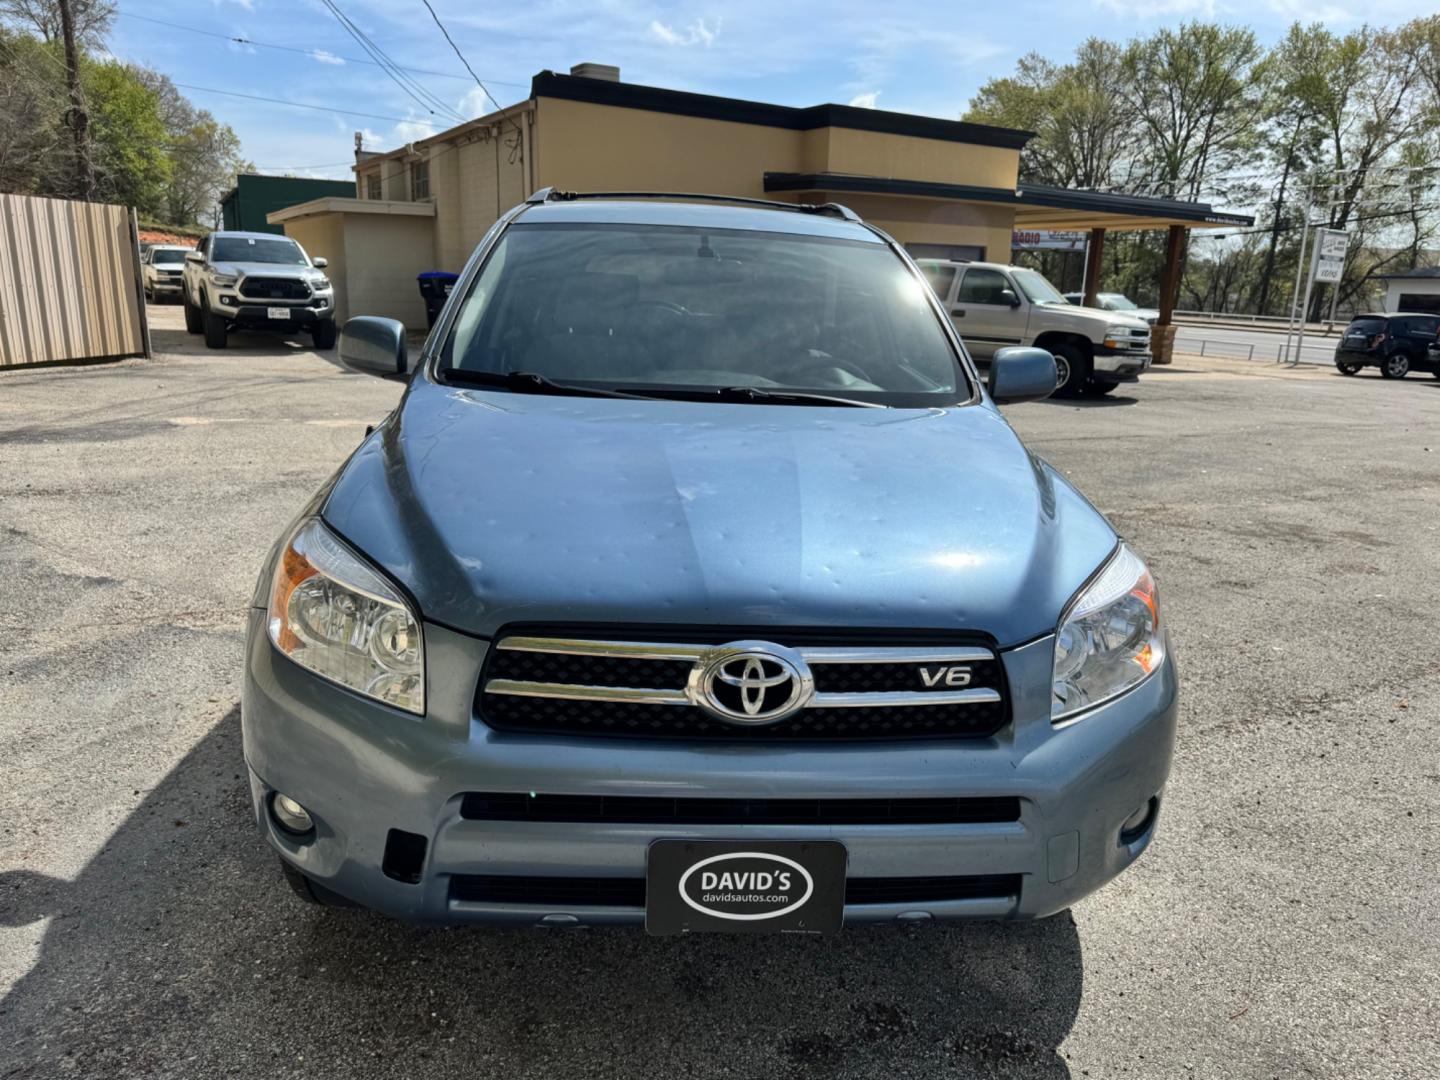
<point x="550" y="194"/>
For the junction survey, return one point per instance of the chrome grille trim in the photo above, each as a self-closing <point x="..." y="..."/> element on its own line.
<point x="844" y="654"/>
<point x="698" y="654"/>
<point x="571" y="692"/>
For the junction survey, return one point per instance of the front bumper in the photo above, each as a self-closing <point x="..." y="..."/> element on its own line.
<point x="1119" y="365"/>
<point x="166" y="285"/>
<point x="362" y="770"/>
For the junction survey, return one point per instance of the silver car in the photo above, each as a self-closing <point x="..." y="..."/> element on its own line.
<point x="162" y="268"/>
<point x="697" y="582"/>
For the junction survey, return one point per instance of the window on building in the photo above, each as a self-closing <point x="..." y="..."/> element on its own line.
<point x="1419" y="302"/>
<point x="372" y="186"/>
<point x="419" y="180"/>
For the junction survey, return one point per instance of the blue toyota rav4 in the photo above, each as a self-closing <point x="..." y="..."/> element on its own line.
<point x="698" y="583"/>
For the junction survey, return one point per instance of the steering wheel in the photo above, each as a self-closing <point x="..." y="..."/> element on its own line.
<point x="663" y="305"/>
<point x="829" y="364"/>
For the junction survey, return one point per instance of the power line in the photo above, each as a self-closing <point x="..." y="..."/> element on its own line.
<point x="423" y="97"/>
<point x="296" y="104"/>
<point x="461" y="55"/>
<point x="240" y="39"/>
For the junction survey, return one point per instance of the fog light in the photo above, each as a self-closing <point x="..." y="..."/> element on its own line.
<point x="290" y="815"/>
<point x="1136" y="825"/>
<point x="228" y="301"/>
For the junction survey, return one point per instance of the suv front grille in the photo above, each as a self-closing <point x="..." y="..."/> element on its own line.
<point x="655" y="809"/>
<point x="582" y="892"/>
<point x="271" y="288"/>
<point x="587" y="686"/>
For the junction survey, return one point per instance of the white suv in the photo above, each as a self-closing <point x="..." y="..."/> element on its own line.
<point x="993" y="306"/>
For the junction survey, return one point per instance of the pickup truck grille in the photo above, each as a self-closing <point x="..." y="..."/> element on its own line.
<point x="270" y="288"/>
<point x="658" y="690"/>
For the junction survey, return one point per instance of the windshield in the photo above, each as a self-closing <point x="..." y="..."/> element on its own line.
<point x="1116" y="302"/>
<point x="677" y="310"/>
<point x="254" y="249"/>
<point x="1034" y="286"/>
<point x="168" y="256"/>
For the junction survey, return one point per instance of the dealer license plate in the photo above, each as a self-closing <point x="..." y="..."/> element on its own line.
<point x="277" y="313"/>
<point x="795" y="887"/>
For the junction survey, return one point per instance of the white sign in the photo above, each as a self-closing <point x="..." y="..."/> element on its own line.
<point x="1330" y="255"/>
<point x="1047" y="240"/>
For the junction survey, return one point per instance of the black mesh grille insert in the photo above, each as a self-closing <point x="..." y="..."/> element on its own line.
<point x="642" y="809"/>
<point x="568" y="892"/>
<point x="269" y="288"/>
<point x="819" y="723"/>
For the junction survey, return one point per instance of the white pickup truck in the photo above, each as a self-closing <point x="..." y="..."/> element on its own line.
<point x="256" y="281"/>
<point x="994" y="306"/>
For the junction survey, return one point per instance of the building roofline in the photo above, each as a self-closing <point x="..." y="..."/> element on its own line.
<point x="1420" y="273"/>
<point x="736" y="110"/>
<point x="1026" y="195"/>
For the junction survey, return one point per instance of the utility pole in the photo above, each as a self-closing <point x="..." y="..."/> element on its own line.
<point x="79" y="118"/>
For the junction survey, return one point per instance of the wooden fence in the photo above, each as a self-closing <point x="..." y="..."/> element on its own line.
<point x="70" y="286"/>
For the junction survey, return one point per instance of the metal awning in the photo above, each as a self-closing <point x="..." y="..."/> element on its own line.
<point x="1036" y="206"/>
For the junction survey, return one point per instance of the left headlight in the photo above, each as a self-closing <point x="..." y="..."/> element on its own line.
<point x="318" y="281"/>
<point x="1110" y="639"/>
<point x="223" y="280"/>
<point x="334" y="614"/>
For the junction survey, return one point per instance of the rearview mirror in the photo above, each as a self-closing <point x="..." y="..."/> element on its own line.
<point x="1022" y="374"/>
<point x="375" y="346"/>
<point x="320" y="262"/>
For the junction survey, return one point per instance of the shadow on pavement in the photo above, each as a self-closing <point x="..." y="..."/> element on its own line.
<point x="1091" y="401"/>
<point x="179" y="951"/>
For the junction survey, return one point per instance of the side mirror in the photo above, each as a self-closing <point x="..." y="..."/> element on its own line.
<point x="320" y="262"/>
<point x="1007" y="296"/>
<point x="194" y="256"/>
<point x="375" y="346"/>
<point x="1022" y="374"/>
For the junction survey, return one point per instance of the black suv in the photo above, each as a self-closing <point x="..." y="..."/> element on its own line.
<point x="1397" y="344"/>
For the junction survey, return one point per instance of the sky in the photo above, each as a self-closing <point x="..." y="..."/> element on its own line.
<point x="900" y="55"/>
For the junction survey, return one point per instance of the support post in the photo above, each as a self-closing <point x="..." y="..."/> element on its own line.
<point x="1094" y="251"/>
<point x="1162" y="340"/>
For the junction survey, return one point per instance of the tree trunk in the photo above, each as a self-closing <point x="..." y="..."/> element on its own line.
<point x="79" y="118"/>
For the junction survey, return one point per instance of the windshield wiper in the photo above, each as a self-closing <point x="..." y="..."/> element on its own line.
<point x="532" y="382"/>
<point x="791" y="397"/>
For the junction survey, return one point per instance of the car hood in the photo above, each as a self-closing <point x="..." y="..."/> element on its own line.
<point x="1089" y="314"/>
<point x="245" y="269"/>
<point x="498" y="508"/>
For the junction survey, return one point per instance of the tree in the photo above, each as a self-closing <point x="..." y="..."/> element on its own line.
<point x="91" y="18"/>
<point x="1197" y="92"/>
<point x="132" y="161"/>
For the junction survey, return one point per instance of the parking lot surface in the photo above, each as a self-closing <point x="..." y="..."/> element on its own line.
<point x="1282" y="925"/>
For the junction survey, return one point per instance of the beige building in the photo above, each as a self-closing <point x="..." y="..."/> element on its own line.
<point x="941" y="187"/>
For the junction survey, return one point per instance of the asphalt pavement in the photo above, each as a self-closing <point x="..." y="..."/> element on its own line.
<point x="1283" y="924"/>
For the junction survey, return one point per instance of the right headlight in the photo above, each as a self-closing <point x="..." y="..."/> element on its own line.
<point x="332" y="613"/>
<point x="1110" y="638"/>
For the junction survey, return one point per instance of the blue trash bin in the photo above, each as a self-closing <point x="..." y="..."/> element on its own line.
<point x="435" y="286"/>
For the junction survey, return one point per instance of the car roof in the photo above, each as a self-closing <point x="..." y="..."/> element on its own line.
<point x="965" y="262"/>
<point x="675" y="210"/>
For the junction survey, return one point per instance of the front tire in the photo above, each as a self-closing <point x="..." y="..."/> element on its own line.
<point x="1395" y="366"/>
<point x="324" y="334"/>
<point x="193" y="323"/>
<point x="1072" y="367"/>
<point x="215" y="332"/>
<point x="1100" y="389"/>
<point x="1345" y="367"/>
<point x="311" y="892"/>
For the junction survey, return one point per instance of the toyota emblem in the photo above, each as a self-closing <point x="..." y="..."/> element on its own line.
<point x="751" y="682"/>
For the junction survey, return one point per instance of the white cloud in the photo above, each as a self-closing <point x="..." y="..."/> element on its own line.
<point x="408" y="131"/>
<point x="477" y="103"/>
<point x="698" y="32"/>
<point x="865" y="101"/>
<point x="326" y="57"/>
<point x="248" y="5"/>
